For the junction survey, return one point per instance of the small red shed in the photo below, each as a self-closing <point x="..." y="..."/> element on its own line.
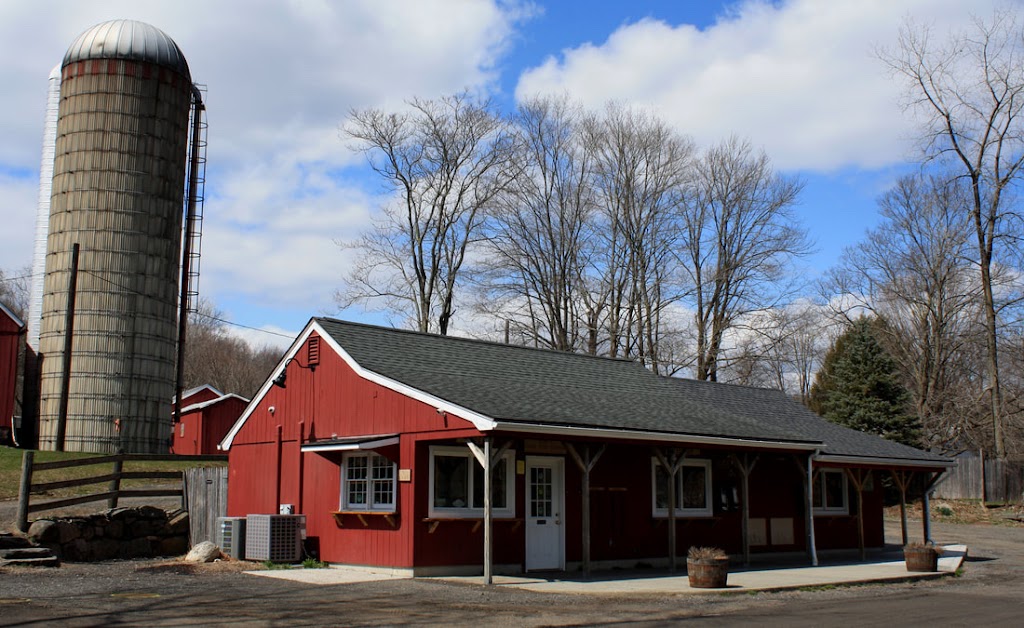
<point x="11" y="330"/>
<point x="383" y="439"/>
<point x="205" y="420"/>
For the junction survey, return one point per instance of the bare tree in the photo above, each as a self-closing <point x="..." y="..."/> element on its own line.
<point x="445" y="160"/>
<point x="914" y="271"/>
<point x="781" y="348"/>
<point x="540" y="232"/>
<point x="213" y="356"/>
<point x="14" y="290"/>
<point x="739" y="237"/>
<point x="970" y="92"/>
<point x="641" y="169"/>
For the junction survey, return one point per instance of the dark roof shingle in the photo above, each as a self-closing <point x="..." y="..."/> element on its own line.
<point x="525" y="385"/>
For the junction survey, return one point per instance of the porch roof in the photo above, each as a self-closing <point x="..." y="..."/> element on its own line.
<point x="525" y="387"/>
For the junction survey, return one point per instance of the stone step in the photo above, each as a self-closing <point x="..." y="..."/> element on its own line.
<point x="25" y="552"/>
<point x="11" y="541"/>
<point x="48" y="561"/>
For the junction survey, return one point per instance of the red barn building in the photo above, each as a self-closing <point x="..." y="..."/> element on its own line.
<point x="11" y="329"/>
<point x="206" y="416"/>
<point x="380" y="437"/>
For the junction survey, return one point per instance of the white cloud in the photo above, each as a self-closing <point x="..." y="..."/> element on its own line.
<point x="799" y="77"/>
<point x="282" y="77"/>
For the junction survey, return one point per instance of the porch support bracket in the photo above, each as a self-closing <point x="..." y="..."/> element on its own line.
<point x="586" y="463"/>
<point x="672" y="460"/>
<point x="487" y="458"/>
<point x="746" y="466"/>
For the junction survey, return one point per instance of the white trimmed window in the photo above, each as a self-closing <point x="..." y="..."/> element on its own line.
<point x="368" y="482"/>
<point x="693" y="489"/>
<point x="457" y="484"/>
<point x="830" y="492"/>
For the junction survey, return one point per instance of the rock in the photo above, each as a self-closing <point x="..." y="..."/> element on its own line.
<point x="78" y="550"/>
<point x="136" y="548"/>
<point x="143" y="527"/>
<point x="178" y="523"/>
<point x="152" y="512"/>
<point x="114" y="530"/>
<point x="67" y="531"/>
<point x="44" y="531"/>
<point x="205" y="552"/>
<point x="173" y="546"/>
<point x="105" y="549"/>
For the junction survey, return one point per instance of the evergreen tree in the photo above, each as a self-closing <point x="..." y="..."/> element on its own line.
<point x="858" y="386"/>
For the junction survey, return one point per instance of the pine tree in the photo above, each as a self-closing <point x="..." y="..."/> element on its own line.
<point x="858" y="386"/>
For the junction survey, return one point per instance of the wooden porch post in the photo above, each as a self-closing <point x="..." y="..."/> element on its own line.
<point x="586" y="464"/>
<point x="746" y="466"/>
<point x="672" y="463"/>
<point x="486" y="460"/>
<point x="859" y="477"/>
<point x="902" y="480"/>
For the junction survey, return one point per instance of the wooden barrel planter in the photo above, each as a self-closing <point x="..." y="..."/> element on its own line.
<point x="707" y="573"/>
<point x="921" y="558"/>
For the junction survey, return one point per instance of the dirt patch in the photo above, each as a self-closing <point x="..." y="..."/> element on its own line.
<point x="964" y="511"/>
<point x="183" y="568"/>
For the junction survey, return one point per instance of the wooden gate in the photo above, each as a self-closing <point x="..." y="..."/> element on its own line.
<point x="206" y="498"/>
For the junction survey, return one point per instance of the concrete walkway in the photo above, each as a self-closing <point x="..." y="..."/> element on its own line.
<point x="759" y="578"/>
<point x="753" y="579"/>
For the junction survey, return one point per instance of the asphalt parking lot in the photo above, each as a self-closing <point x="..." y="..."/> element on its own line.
<point x="166" y="593"/>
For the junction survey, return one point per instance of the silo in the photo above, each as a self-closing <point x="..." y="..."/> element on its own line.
<point x="117" y="191"/>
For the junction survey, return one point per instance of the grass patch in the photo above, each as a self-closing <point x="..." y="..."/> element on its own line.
<point x="272" y="566"/>
<point x="818" y="587"/>
<point x="10" y="472"/>
<point x="312" y="563"/>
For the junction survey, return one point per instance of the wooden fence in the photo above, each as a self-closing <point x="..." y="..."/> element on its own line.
<point x="113" y="480"/>
<point x="206" y="498"/>
<point x="978" y="477"/>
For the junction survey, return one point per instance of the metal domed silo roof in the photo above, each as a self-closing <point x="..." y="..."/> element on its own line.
<point x="127" y="39"/>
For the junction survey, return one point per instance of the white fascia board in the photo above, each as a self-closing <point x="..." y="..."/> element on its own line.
<point x="882" y="462"/>
<point x="225" y="443"/>
<point x="207" y="404"/>
<point x="14" y="317"/>
<point x="365" y="444"/>
<point x="697" y="439"/>
<point x="479" y="421"/>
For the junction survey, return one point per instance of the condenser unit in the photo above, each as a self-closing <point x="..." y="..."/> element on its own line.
<point x="231" y="536"/>
<point x="276" y="538"/>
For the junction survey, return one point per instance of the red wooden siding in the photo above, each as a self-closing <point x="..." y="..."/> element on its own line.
<point x="10" y="339"/>
<point x="266" y="469"/>
<point x="201" y="395"/>
<point x="322" y="403"/>
<point x="200" y="431"/>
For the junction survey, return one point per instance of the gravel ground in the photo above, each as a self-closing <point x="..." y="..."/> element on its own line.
<point x="160" y="592"/>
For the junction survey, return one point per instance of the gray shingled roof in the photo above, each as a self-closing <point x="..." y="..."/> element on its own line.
<point x="523" y="385"/>
<point x="776" y="408"/>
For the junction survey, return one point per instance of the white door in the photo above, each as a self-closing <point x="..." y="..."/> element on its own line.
<point x="545" y="498"/>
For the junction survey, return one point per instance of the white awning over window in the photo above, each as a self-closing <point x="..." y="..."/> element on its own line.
<point x="352" y="443"/>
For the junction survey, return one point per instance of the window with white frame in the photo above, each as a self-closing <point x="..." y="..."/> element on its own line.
<point x="368" y="482"/>
<point x="457" y="484"/>
<point x="693" y="489"/>
<point x="830" y="492"/>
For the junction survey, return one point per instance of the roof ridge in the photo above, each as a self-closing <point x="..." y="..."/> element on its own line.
<point x="705" y="382"/>
<point x="480" y="341"/>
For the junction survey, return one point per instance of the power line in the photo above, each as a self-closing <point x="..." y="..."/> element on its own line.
<point x="197" y="313"/>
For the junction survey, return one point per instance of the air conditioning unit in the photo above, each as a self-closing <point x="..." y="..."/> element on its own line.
<point x="276" y="538"/>
<point x="231" y="536"/>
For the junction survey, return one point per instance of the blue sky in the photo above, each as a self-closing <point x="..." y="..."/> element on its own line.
<point x="797" y="77"/>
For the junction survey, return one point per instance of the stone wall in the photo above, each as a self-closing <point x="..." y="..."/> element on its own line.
<point x="116" y="533"/>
